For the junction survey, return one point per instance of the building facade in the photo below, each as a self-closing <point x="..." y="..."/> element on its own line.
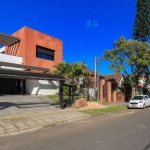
<point x="36" y="49"/>
<point x="111" y="89"/>
<point x="107" y="88"/>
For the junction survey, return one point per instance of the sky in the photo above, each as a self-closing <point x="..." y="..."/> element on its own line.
<point x="86" y="27"/>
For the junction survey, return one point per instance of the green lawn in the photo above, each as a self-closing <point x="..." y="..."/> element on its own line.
<point x="100" y="111"/>
<point x="56" y="97"/>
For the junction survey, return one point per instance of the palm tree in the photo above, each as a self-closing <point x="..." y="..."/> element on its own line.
<point x="72" y="72"/>
<point x="78" y="70"/>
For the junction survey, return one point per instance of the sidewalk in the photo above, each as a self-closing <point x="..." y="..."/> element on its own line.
<point x="27" y="121"/>
<point x="15" y="123"/>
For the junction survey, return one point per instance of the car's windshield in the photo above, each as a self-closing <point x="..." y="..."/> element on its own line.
<point x="137" y="98"/>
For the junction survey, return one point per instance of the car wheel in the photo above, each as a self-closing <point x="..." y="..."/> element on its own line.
<point x="143" y="106"/>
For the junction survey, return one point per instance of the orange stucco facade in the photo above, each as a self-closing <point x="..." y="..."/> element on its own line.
<point x="29" y="39"/>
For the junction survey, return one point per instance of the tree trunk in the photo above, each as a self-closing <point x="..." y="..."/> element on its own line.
<point x="133" y="91"/>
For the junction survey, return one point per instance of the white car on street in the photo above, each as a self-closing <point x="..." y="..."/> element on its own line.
<point x="139" y="101"/>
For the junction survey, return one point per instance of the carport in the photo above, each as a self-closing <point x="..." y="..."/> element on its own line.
<point x="30" y="72"/>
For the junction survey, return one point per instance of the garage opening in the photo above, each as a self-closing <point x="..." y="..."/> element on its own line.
<point x="12" y="86"/>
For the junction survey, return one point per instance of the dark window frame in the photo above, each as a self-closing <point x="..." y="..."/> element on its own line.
<point x="45" y="53"/>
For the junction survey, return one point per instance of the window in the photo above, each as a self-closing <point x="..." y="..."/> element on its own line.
<point x="45" y="53"/>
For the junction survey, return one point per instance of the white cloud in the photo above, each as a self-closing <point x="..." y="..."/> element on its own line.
<point x="88" y="23"/>
<point x="95" y="24"/>
<point x="91" y="23"/>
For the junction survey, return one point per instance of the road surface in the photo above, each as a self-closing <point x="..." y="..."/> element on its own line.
<point x="125" y="130"/>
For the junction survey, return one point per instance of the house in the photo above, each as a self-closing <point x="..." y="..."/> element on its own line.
<point x="111" y="89"/>
<point x="108" y="87"/>
<point x="37" y="53"/>
<point x="88" y="84"/>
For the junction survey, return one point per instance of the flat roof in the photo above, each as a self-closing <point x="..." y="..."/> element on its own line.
<point x="27" y="73"/>
<point x="18" y="74"/>
<point x="8" y="40"/>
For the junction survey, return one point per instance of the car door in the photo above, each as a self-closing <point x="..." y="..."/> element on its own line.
<point x="147" y="101"/>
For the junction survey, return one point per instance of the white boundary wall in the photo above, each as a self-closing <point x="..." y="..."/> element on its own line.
<point x="41" y="87"/>
<point x="11" y="59"/>
<point x="91" y="91"/>
<point x="2" y="49"/>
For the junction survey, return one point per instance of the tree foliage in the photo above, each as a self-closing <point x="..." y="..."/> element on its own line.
<point x="141" y="28"/>
<point x="129" y="57"/>
<point x="72" y="72"/>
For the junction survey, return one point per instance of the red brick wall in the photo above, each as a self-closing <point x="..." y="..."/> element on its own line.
<point x="109" y="91"/>
<point x="27" y="47"/>
<point x="120" y="97"/>
<point x="102" y="82"/>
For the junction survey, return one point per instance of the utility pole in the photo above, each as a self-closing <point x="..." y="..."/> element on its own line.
<point x="95" y="79"/>
<point x="98" y="79"/>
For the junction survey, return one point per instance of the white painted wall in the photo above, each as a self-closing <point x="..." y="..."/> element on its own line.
<point x="11" y="59"/>
<point x="2" y="49"/>
<point x="91" y="91"/>
<point x="121" y="82"/>
<point x="32" y="87"/>
<point x="41" y="87"/>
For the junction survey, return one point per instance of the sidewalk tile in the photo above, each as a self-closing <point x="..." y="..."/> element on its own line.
<point x="9" y="126"/>
<point x="2" y="123"/>
<point x="2" y="132"/>
<point x="21" y="125"/>
<point x="1" y="129"/>
<point x="31" y="123"/>
<point x="40" y="122"/>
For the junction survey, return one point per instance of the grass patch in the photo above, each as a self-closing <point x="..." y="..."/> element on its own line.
<point x="55" y="98"/>
<point x="100" y="111"/>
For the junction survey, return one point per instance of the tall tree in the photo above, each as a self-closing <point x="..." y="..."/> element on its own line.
<point x="141" y="28"/>
<point x="129" y="54"/>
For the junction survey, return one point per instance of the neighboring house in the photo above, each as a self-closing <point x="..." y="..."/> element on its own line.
<point x="111" y="89"/>
<point x="32" y="48"/>
<point x="90" y="84"/>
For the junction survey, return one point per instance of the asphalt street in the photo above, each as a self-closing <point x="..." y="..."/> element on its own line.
<point x="125" y="130"/>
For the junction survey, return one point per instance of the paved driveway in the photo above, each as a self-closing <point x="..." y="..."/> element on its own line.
<point x="10" y="104"/>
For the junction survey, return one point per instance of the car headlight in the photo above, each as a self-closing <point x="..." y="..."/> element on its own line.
<point x="140" y="101"/>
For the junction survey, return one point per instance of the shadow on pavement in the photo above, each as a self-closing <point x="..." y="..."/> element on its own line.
<point x="4" y="105"/>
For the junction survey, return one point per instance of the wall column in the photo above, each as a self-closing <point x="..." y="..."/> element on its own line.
<point x="114" y="94"/>
<point x="109" y="91"/>
<point x="101" y="91"/>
